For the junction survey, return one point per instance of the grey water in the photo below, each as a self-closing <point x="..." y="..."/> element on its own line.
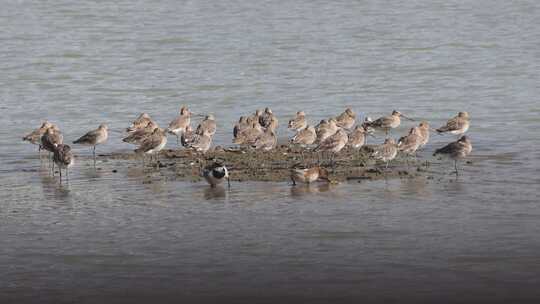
<point x="133" y="237"/>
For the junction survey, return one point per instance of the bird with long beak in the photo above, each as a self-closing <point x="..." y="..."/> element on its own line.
<point x="456" y="150"/>
<point x="137" y="136"/>
<point x="424" y="128"/>
<point x="139" y="123"/>
<point x="94" y="138"/>
<point x="457" y="125"/>
<point x="386" y="152"/>
<point x="63" y="158"/>
<point x="215" y="173"/>
<point x="34" y="137"/>
<point x="325" y="129"/>
<point x="387" y="123"/>
<point x="409" y="143"/>
<point x="298" y="122"/>
<point x="153" y="144"/>
<point x="180" y="124"/>
<point x="346" y="119"/>
<point x="266" y="118"/>
<point x="309" y="175"/>
<point x="242" y="124"/>
<point x="357" y="138"/>
<point x="50" y="139"/>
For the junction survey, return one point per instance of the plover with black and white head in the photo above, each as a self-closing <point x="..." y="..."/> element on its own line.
<point x="215" y="174"/>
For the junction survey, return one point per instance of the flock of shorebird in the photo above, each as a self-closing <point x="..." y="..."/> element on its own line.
<point x="258" y="131"/>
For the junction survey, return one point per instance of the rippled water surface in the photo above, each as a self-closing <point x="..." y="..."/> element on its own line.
<point x="130" y="236"/>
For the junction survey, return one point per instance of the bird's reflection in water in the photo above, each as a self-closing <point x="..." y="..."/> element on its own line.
<point x="92" y="173"/>
<point x="303" y="189"/>
<point x="417" y="186"/>
<point x="51" y="185"/>
<point x="214" y="193"/>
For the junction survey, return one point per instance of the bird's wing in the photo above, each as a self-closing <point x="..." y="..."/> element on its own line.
<point x="87" y="137"/>
<point x="448" y="149"/>
<point x="455" y="123"/>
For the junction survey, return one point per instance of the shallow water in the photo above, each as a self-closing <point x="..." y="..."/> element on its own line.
<point x="132" y="236"/>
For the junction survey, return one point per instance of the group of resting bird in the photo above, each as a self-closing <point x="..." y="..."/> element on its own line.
<point x="258" y="131"/>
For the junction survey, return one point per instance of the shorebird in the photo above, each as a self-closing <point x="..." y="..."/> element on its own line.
<point x="309" y="175"/>
<point x="305" y="137"/>
<point x="208" y="125"/>
<point x="137" y="136"/>
<point x="346" y="119"/>
<point x="201" y="142"/>
<point x="188" y="136"/>
<point x="457" y="125"/>
<point x="299" y="122"/>
<point x="266" y="141"/>
<point x="266" y="117"/>
<point x="386" y="123"/>
<point x="424" y="128"/>
<point x="249" y="135"/>
<point x="63" y="158"/>
<point x="409" y="143"/>
<point x="215" y="173"/>
<point x="326" y="129"/>
<point x="456" y="150"/>
<point x="34" y="137"/>
<point x="357" y="138"/>
<point x="242" y="124"/>
<point x="334" y="143"/>
<point x="180" y="123"/>
<point x="152" y="144"/>
<point x="386" y="152"/>
<point x="139" y="123"/>
<point x="273" y="124"/>
<point x="50" y="139"/>
<point x="256" y="116"/>
<point x="94" y="138"/>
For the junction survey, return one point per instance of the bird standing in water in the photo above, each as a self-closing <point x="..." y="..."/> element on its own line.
<point x="63" y="158"/>
<point x="308" y="176"/>
<point x="94" y="138"/>
<point x="34" y="137"/>
<point x="456" y="150"/>
<point x="215" y="173"/>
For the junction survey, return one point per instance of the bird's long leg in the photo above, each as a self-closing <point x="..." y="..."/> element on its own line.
<point x="177" y="140"/>
<point x="67" y="174"/>
<point x="60" y="174"/>
<point x="157" y="160"/>
<point x="455" y="166"/>
<point x="387" y="165"/>
<point x="94" y="155"/>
